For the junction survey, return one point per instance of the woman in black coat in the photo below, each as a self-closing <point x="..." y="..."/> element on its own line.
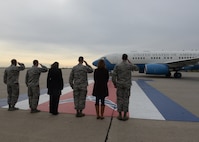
<point x="54" y="85"/>
<point x="100" y="89"/>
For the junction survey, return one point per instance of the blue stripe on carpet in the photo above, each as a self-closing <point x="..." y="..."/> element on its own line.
<point x="169" y="109"/>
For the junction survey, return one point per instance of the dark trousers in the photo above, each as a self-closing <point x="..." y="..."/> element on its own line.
<point x="54" y="103"/>
<point x="98" y="99"/>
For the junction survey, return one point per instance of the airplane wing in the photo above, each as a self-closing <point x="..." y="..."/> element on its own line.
<point x="182" y="63"/>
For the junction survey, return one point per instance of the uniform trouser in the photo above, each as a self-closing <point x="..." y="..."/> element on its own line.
<point x="33" y="94"/>
<point x="54" y="103"/>
<point x="13" y="94"/>
<point x="79" y="98"/>
<point x="123" y="95"/>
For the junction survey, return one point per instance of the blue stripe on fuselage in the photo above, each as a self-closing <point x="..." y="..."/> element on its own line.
<point x="108" y="64"/>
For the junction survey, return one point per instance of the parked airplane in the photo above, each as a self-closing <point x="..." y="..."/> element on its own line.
<point x="157" y="62"/>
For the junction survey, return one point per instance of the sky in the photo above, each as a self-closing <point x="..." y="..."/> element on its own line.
<point x="63" y="30"/>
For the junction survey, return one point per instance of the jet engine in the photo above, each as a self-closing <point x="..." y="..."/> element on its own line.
<point x="158" y="69"/>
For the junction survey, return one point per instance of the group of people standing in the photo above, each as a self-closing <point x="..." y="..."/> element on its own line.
<point x="78" y="81"/>
<point x="11" y="77"/>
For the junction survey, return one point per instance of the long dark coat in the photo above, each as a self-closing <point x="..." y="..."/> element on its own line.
<point x="54" y="81"/>
<point x="101" y="77"/>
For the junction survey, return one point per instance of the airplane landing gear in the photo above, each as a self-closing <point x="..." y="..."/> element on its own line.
<point x="168" y="75"/>
<point x="177" y="75"/>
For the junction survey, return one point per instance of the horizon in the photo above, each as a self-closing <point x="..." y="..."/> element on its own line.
<point x="29" y="65"/>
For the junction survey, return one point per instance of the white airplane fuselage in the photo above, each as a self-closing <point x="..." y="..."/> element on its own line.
<point x="157" y="62"/>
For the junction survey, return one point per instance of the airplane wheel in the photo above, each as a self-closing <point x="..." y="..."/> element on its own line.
<point x="177" y="75"/>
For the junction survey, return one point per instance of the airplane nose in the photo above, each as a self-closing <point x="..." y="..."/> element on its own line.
<point x="95" y="62"/>
<point x="109" y="65"/>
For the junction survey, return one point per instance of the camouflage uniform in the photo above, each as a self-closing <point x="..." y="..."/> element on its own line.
<point x="122" y="81"/>
<point x="79" y="82"/>
<point x="11" y="77"/>
<point x="32" y="82"/>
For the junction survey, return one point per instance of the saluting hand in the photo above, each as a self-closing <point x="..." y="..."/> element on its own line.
<point x="86" y="63"/>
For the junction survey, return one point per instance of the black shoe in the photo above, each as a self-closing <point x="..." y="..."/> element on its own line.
<point x="10" y="109"/>
<point x="77" y="115"/>
<point x="80" y="114"/>
<point x="13" y="108"/>
<point x="119" y="117"/>
<point x="102" y="117"/>
<point x="125" y="118"/>
<point x="35" y="110"/>
<point x="55" y="113"/>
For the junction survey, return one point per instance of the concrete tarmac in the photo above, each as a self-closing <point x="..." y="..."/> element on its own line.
<point x="22" y="126"/>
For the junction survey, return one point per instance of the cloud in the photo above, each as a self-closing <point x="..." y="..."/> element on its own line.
<point x="66" y="29"/>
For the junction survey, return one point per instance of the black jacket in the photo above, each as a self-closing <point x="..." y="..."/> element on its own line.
<point x="54" y="81"/>
<point x="101" y="77"/>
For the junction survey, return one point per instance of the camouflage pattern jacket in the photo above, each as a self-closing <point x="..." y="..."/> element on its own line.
<point x="78" y="76"/>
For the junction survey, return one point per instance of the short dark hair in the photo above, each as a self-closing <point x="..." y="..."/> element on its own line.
<point x="81" y="59"/>
<point x="13" y="61"/>
<point x="124" y="57"/>
<point x="35" y="62"/>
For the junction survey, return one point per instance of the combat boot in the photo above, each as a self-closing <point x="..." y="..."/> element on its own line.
<point x="34" y="110"/>
<point x="81" y="114"/>
<point x="12" y="108"/>
<point x="125" y="116"/>
<point x="9" y="108"/>
<point x="119" y="116"/>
